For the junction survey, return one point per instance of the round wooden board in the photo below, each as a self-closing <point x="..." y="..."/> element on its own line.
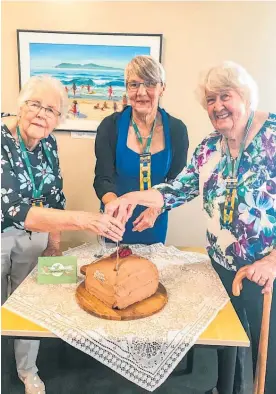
<point x="141" y="309"/>
<point x="83" y="269"/>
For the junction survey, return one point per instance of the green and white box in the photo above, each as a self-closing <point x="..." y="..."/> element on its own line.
<point x="57" y="269"/>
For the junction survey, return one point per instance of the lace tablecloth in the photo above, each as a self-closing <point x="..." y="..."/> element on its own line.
<point x="144" y="351"/>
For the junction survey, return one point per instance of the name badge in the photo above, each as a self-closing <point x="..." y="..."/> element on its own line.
<point x="231" y="183"/>
<point x="145" y="158"/>
<point x="145" y="171"/>
<point x="37" y="202"/>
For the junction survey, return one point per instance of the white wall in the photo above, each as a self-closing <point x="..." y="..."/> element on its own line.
<point x="196" y="35"/>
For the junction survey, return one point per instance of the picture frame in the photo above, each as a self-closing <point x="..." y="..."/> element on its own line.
<point x="89" y="65"/>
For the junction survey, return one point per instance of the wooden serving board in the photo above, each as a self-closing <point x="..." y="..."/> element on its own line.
<point x="141" y="309"/>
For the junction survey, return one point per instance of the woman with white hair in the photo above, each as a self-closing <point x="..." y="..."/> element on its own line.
<point x="31" y="182"/>
<point x="234" y="171"/>
<point x="140" y="147"/>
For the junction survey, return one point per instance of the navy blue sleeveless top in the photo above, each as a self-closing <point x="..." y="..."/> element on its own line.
<point x="128" y="178"/>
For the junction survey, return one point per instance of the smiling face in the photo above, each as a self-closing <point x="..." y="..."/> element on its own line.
<point x="37" y="124"/>
<point x="227" y="111"/>
<point x="144" y="101"/>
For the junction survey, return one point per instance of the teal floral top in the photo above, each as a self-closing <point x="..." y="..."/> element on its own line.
<point x="253" y="231"/>
<point x="16" y="186"/>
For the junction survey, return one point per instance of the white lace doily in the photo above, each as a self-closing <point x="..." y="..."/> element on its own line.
<point x="144" y="351"/>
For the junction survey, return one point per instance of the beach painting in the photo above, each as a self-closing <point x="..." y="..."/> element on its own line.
<point x="90" y="67"/>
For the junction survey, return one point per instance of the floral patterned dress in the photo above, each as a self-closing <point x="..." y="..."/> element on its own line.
<point x="16" y="187"/>
<point x="253" y="231"/>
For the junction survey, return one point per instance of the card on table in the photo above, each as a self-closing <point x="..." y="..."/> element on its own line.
<point x="57" y="270"/>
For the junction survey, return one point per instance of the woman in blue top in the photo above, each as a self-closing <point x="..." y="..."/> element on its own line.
<point x="140" y="147"/>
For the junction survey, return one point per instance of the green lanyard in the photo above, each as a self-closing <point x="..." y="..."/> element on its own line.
<point x="139" y="137"/>
<point x="232" y="178"/>
<point x="145" y="157"/>
<point x="234" y="167"/>
<point x="36" y="192"/>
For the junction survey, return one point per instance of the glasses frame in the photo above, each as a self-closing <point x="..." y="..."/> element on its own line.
<point x="148" y="88"/>
<point x="56" y="113"/>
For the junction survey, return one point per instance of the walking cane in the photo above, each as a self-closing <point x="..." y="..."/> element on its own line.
<point x="259" y="383"/>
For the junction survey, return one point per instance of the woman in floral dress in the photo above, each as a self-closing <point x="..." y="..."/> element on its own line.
<point x="233" y="170"/>
<point x="31" y="182"/>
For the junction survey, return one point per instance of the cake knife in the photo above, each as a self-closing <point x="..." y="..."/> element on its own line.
<point x="117" y="260"/>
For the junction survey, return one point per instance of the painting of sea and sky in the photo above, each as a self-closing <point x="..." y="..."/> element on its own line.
<point x="92" y="73"/>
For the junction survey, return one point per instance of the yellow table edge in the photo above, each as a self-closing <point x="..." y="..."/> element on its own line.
<point x="224" y="330"/>
<point x="219" y="332"/>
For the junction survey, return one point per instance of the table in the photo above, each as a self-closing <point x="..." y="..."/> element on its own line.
<point x="225" y="330"/>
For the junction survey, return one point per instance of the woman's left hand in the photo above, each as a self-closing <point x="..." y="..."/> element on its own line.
<point x="263" y="272"/>
<point x="146" y="219"/>
<point x="51" y="251"/>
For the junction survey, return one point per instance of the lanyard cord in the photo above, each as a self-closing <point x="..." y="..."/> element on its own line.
<point x="36" y="192"/>
<point x="139" y="137"/>
<point x="232" y="180"/>
<point x="234" y="167"/>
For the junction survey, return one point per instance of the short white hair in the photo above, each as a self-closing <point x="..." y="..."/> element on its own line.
<point x="49" y="82"/>
<point x="146" y="68"/>
<point x="228" y="75"/>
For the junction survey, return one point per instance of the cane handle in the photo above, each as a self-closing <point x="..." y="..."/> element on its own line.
<point x="237" y="282"/>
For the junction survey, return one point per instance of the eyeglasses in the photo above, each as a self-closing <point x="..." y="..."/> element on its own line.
<point x="35" y="106"/>
<point x="149" y="85"/>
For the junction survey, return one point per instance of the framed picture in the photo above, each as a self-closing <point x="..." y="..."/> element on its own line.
<point x="89" y="65"/>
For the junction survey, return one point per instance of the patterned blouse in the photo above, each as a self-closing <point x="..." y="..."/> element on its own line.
<point x="253" y="232"/>
<point x="16" y="188"/>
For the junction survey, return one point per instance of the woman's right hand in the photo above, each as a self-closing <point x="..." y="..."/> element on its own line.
<point x="106" y="225"/>
<point x="121" y="208"/>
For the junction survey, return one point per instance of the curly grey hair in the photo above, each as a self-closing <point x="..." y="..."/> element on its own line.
<point x="146" y="68"/>
<point x="46" y="81"/>
<point x="228" y="75"/>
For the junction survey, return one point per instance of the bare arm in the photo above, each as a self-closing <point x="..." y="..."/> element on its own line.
<point x="123" y="206"/>
<point x="44" y="220"/>
<point x="54" y="238"/>
<point x="149" y="198"/>
<point x="47" y="219"/>
<point x="53" y="246"/>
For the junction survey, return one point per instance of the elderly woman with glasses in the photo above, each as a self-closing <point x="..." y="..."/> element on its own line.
<point x="233" y="170"/>
<point x="140" y="147"/>
<point x="31" y="182"/>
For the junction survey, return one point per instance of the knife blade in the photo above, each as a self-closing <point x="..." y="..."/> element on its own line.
<point x="117" y="259"/>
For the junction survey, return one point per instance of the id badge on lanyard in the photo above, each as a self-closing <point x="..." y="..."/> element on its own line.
<point x="230" y="198"/>
<point x="145" y="158"/>
<point x="38" y="202"/>
<point x="145" y="171"/>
